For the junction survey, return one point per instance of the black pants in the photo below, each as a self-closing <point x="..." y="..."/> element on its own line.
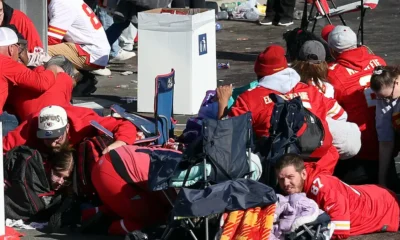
<point x="190" y="3"/>
<point x="280" y="9"/>
<point x="357" y="172"/>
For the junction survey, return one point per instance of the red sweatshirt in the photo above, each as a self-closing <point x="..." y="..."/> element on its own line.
<point x="27" y="29"/>
<point x="79" y="119"/>
<point x="24" y="103"/>
<point x="14" y="74"/>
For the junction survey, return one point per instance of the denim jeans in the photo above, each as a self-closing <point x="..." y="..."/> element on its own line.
<point x="107" y="20"/>
<point x="10" y="122"/>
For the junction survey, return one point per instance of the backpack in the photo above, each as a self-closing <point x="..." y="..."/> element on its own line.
<point x="288" y="117"/>
<point x="27" y="189"/>
<point x="89" y="152"/>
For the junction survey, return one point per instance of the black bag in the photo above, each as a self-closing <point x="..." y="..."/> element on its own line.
<point x="27" y="190"/>
<point x="287" y="119"/>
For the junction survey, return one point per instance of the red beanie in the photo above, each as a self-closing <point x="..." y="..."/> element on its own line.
<point x="326" y="31"/>
<point x="271" y="61"/>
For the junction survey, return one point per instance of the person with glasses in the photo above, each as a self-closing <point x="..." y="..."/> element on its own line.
<point x="15" y="75"/>
<point x="350" y="76"/>
<point x="385" y="84"/>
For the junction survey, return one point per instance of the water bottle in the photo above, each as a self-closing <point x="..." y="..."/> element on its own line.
<point x="223" y="15"/>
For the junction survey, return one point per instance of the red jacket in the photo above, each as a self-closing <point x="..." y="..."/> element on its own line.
<point x="350" y="76"/>
<point x="14" y="74"/>
<point x="27" y="29"/>
<point x="257" y="101"/>
<point x="354" y="210"/>
<point x="24" y="104"/>
<point x="79" y="119"/>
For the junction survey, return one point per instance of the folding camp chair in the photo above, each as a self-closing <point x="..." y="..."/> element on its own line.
<point x="160" y="128"/>
<point x="326" y="10"/>
<point x="225" y="145"/>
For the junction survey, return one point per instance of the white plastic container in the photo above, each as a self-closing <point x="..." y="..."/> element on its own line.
<point x="186" y="43"/>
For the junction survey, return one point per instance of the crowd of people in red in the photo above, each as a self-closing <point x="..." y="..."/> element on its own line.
<point x="355" y="97"/>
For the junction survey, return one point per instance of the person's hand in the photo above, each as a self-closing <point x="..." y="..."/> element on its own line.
<point x="114" y="145"/>
<point x="224" y="93"/>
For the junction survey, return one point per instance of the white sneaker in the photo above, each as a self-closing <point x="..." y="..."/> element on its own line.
<point x="102" y="72"/>
<point x="123" y="55"/>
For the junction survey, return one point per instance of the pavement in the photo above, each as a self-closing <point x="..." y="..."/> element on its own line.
<point x="381" y="35"/>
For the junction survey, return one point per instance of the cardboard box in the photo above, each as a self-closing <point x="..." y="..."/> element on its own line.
<point x="186" y="43"/>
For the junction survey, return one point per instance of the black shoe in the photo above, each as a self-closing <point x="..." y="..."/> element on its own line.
<point x="285" y="22"/>
<point x="268" y="20"/>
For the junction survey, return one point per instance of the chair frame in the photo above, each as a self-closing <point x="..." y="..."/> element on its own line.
<point x="307" y="19"/>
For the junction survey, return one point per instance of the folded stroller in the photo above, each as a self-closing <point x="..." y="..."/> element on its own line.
<point x="223" y="145"/>
<point x="320" y="229"/>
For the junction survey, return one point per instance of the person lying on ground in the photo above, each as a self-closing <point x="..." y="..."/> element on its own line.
<point x="24" y="25"/>
<point x="313" y="70"/>
<point x="55" y="127"/>
<point x="14" y="75"/>
<point x="276" y="77"/>
<point x="350" y="76"/>
<point x="75" y="32"/>
<point x="24" y="104"/>
<point x="354" y="210"/>
<point x="385" y="84"/>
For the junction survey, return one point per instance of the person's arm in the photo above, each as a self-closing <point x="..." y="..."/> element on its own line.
<point x="61" y="17"/>
<point x="335" y="111"/>
<point x="223" y="95"/>
<point x="22" y="76"/>
<point x="17" y="137"/>
<point x="334" y="203"/>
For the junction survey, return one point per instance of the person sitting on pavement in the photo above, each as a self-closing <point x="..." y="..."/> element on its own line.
<point x="275" y="76"/>
<point x="75" y="32"/>
<point x="313" y="70"/>
<point x="24" y="25"/>
<point x="24" y="104"/>
<point x="14" y="75"/>
<point x="354" y="210"/>
<point x="55" y="127"/>
<point x="350" y="76"/>
<point x="385" y="83"/>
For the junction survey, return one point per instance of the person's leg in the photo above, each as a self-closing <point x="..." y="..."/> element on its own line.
<point x="197" y="4"/>
<point x="9" y="123"/>
<point x="270" y="15"/>
<point x="127" y="38"/>
<point x="107" y="22"/>
<point x="70" y="51"/>
<point x="286" y="9"/>
<point x="178" y="4"/>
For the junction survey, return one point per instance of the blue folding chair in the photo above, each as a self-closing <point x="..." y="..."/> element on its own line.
<point x="159" y="128"/>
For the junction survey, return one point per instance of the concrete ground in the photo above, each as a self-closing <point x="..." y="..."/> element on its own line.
<point x="381" y="35"/>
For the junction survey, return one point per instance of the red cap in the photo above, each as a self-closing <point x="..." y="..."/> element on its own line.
<point x="271" y="61"/>
<point x="326" y="31"/>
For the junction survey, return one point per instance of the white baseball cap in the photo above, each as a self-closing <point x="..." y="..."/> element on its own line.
<point x="52" y="122"/>
<point x="7" y="37"/>
<point x="342" y="38"/>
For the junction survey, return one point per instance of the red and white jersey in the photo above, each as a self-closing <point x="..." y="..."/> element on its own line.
<point x="350" y="76"/>
<point x="354" y="210"/>
<point x="74" y="21"/>
<point x="258" y="102"/>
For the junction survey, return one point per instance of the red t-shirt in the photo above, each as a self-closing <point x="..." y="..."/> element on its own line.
<point x="27" y="29"/>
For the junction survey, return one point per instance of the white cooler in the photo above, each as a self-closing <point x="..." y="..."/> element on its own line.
<point x="183" y="42"/>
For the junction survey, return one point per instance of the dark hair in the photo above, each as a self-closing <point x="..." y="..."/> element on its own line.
<point x="309" y="71"/>
<point x="296" y="38"/>
<point x="62" y="160"/>
<point x="290" y="159"/>
<point x="384" y="76"/>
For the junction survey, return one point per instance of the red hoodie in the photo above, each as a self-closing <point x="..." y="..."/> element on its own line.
<point x="27" y="29"/>
<point x="79" y="119"/>
<point x="350" y="76"/>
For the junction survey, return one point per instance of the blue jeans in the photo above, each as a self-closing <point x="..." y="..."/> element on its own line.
<point x="10" y="122"/>
<point x="107" y="21"/>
